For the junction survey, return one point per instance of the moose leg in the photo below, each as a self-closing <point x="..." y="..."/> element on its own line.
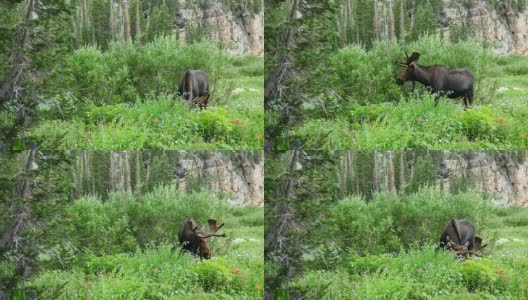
<point x="466" y="100"/>
<point x="437" y="98"/>
<point x="470" y="97"/>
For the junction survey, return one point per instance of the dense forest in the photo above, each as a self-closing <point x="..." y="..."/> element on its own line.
<point x="93" y="224"/>
<point x="96" y="74"/>
<point x="330" y="74"/>
<point x="366" y="225"/>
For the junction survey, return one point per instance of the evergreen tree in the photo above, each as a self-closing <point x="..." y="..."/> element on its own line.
<point x="425" y="20"/>
<point x="161" y="23"/>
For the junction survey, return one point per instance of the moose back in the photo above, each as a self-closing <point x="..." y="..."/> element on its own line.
<point x="194" y="87"/>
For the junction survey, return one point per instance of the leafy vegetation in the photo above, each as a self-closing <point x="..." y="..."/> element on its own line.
<point x="124" y="247"/>
<point x="337" y="91"/>
<point x="83" y="69"/>
<point x="423" y="273"/>
<point x="123" y="98"/>
<point x="328" y="238"/>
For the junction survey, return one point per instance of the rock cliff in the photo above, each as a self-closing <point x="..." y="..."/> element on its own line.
<point x="500" y="173"/>
<point x="505" y="23"/>
<point x="239" y="173"/>
<point x="239" y="24"/>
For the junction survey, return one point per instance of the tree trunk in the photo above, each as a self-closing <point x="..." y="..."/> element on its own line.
<point x="402" y="170"/>
<point x="413" y="13"/>
<point x="375" y="174"/>
<point x="12" y="239"/>
<point x="392" y="34"/>
<point x="128" y="180"/>
<point x="375" y="21"/>
<point x="111" y="173"/>
<point x="111" y="22"/>
<point x="126" y="20"/>
<point x="138" y="172"/>
<point x="349" y="28"/>
<point x="402" y="22"/>
<point x="20" y="67"/>
<point x="390" y="159"/>
<point x="147" y="29"/>
<point x="138" y="22"/>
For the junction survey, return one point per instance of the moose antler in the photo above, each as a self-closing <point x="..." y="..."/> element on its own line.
<point x="408" y="60"/>
<point x="212" y="225"/>
<point x="213" y="228"/>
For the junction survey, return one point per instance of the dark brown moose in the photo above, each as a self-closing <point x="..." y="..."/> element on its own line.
<point x="194" y="87"/>
<point x="194" y="239"/>
<point x="441" y="81"/>
<point x="459" y="237"/>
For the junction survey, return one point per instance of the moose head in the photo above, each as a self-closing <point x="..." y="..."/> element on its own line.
<point x="409" y="65"/>
<point x="194" y="239"/>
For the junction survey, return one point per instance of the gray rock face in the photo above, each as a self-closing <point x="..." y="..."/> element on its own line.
<point x="502" y="25"/>
<point x="502" y="174"/>
<point x="237" y="26"/>
<point x="236" y="173"/>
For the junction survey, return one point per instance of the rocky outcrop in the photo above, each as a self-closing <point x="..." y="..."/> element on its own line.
<point x="239" y="174"/>
<point x="503" y="174"/>
<point x="238" y="25"/>
<point x="505" y="24"/>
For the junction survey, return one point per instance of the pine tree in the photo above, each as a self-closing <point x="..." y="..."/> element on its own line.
<point x="425" y="20"/>
<point x="161" y="23"/>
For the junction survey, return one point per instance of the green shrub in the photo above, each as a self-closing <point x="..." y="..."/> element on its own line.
<point x="390" y="221"/>
<point x="214" y="125"/>
<point x="478" y="123"/>
<point x="215" y="274"/>
<point x="152" y="124"/>
<point x="479" y="275"/>
<point x="125" y="222"/>
<point x="368" y="76"/>
<point x="127" y="72"/>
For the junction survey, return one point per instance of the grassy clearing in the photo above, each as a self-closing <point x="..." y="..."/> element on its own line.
<point x="126" y="104"/>
<point x="122" y="249"/>
<point x="423" y="273"/>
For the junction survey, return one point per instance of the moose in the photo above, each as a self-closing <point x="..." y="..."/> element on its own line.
<point x="440" y="80"/>
<point x="194" y="87"/>
<point x="194" y="240"/>
<point x="459" y="237"/>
